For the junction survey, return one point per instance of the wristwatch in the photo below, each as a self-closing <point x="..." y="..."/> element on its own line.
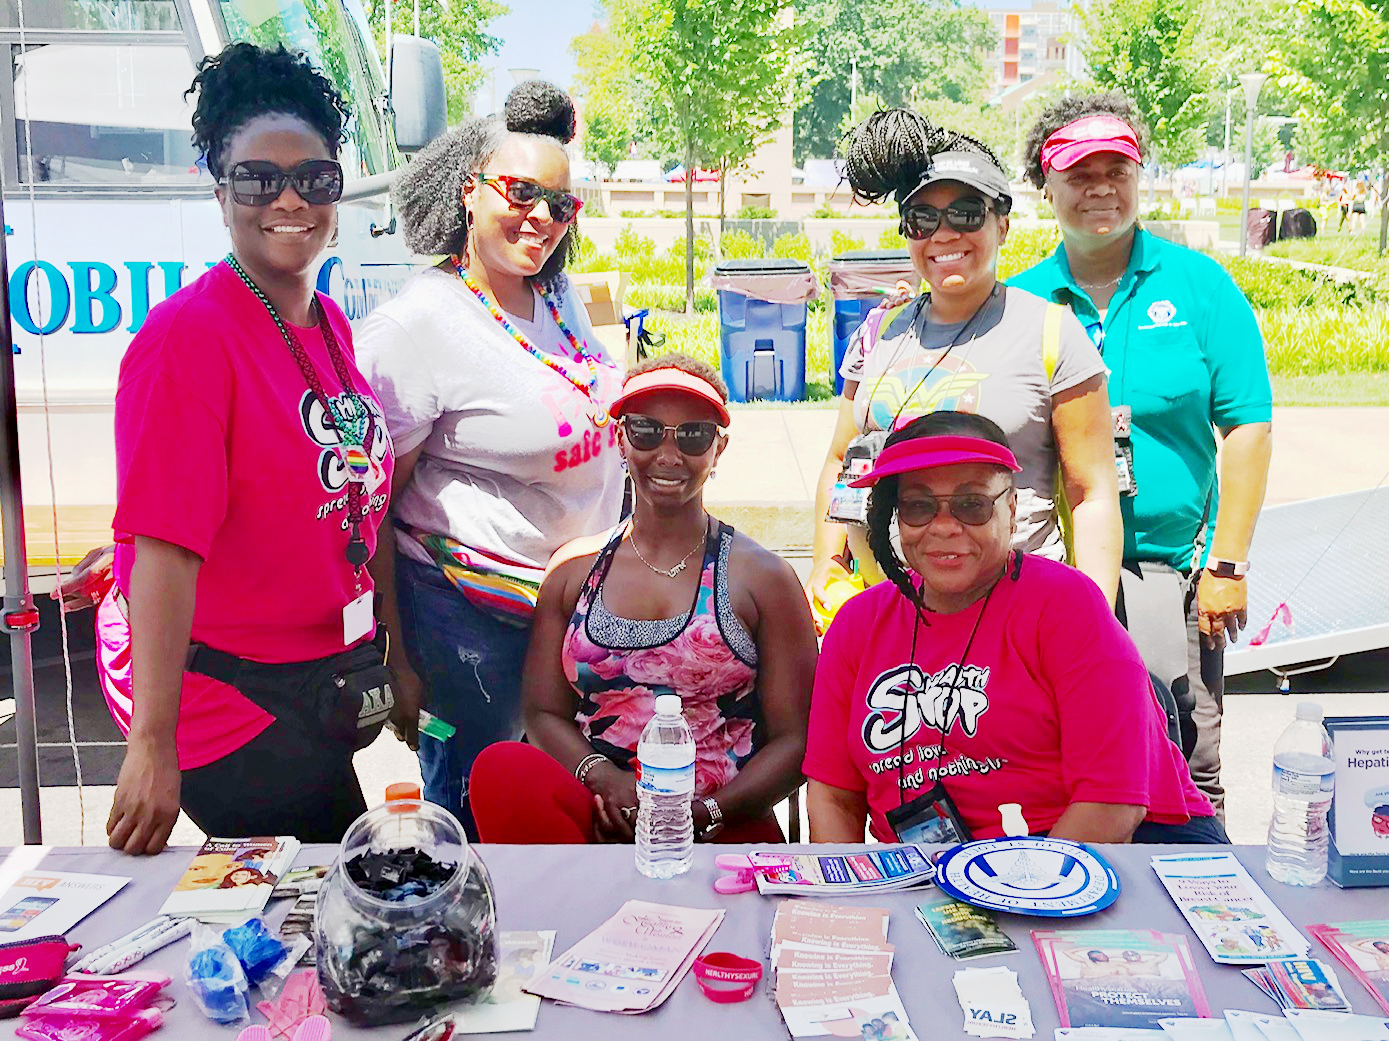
<point x="715" y="824"/>
<point x="1227" y="568"/>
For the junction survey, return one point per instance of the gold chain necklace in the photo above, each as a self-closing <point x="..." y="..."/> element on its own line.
<point x="672" y="572"/>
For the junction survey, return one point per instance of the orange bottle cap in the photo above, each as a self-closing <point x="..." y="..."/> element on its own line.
<point x="402" y="790"/>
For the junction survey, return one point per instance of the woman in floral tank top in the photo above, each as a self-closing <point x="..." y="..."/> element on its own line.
<point x="672" y="601"/>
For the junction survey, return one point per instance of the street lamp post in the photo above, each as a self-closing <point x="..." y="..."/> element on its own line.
<point x="1252" y="82"/>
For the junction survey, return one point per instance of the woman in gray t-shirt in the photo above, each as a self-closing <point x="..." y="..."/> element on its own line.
<point x="495" y="391"/>
<point x="970" y="345"/>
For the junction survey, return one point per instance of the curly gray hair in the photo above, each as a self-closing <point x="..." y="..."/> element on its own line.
<point x="429" y="193"/>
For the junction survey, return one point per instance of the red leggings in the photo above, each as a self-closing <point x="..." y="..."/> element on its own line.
<point x="521" y="796"/>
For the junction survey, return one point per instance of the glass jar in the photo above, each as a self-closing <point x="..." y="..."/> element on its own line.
<point x="392" y="960"/>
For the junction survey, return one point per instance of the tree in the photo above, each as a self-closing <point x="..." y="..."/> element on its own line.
<point x="456" y="26"/>
<point x="609" y="97"/>
<point x="905" y="52"/>
<point x="1334" y="58"/>
<point x="717" y="75"/>
<point x="1150" y="50"/>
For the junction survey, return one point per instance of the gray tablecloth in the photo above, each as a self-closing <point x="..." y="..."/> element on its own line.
<point x="574" y="888"/>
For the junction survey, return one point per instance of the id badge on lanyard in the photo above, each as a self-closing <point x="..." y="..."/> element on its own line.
<point x="1122" y="417"/>
<point x="929" y="818"/>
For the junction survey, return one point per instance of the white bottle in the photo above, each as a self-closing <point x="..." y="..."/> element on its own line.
<point x="1304" y="776"/>
<point x="665" y="821"/>
<point x="1014" y="824"/>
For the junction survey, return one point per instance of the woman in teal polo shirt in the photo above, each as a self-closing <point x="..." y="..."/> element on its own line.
<point x="1186" y="360"/>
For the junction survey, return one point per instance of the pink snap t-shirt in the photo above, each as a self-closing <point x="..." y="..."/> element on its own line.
<point x="1053" y="706"/>
<point x="221" y="448"/>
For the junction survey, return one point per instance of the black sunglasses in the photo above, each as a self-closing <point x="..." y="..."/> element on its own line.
<point x="259" y="182"/>
<point x="526" y="195"/>
<point x="964" y="215"/>
<point x="972" y="508"/>
<point x="693" y="438"/>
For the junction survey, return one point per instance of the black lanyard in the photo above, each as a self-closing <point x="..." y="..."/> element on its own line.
<point x="939" y="784"/>
<point x="357" y="552"/>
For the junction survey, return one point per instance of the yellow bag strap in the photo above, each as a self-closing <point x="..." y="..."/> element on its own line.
<point x="1051" y="338"/>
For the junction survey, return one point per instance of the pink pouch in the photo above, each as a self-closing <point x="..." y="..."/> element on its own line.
<point x="100" y="997"/>
<point x="30" y="967"/>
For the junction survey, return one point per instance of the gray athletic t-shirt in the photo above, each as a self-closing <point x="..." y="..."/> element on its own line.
<point x="996" y="369"/>
<point x="512" y="467"/>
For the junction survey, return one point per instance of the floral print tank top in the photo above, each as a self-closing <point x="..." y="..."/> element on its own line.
<point x="617" y="666"/>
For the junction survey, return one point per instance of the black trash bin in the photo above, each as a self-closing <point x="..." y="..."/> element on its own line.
<point x="1297" y="224"/>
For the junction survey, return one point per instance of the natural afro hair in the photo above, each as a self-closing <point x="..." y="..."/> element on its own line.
<point x="1068" y="110"/>
<point x="891" y="151"/>
<point x="685" y="363"/>
<point x="245" y="81"/>
<point x="429" y="193"/>
<point x="882" y="501"/>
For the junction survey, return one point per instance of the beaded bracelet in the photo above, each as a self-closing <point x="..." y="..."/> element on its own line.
<point x="586" y="764"/>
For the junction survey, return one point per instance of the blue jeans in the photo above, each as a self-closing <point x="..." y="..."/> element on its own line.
<point x="470" y="662"/>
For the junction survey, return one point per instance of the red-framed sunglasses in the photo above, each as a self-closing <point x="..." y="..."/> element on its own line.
<point x="521" y="194"/>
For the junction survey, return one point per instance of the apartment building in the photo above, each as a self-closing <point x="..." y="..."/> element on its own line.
<point x="1033" y="41"/>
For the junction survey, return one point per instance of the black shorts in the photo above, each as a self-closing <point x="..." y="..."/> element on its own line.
<point x="1359" y="207"/>
<point x="288" y="780"/>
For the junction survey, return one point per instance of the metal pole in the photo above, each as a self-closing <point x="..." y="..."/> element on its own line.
<point x="1225" y="154"/>
<point x="20" y="617"/>
<point x="1248" y="161"/>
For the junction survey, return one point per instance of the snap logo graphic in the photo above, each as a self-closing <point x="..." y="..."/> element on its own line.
<point x="1161" y="314"/>
<point x="904" y="700"/>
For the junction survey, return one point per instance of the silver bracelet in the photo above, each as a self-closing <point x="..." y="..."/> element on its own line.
<point x="586" y="764"/>
<point x="715" y="816"/>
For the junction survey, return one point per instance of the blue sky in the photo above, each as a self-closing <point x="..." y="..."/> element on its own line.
<point x="536" y="35"/>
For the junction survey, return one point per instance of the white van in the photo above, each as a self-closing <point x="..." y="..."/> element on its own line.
<point x="109" y="209"/>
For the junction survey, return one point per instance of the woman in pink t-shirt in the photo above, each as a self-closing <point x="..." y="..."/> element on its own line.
<point x="982" y="676"/>
<point x="253" y="469"/>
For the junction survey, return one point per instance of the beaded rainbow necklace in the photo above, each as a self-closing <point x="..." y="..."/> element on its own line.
<point x="597" y="414"/>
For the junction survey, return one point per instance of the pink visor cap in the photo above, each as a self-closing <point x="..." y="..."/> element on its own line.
<point x="928" y="453"/>
<point x="1086" y="136"/>
<point x="672" y="379"/>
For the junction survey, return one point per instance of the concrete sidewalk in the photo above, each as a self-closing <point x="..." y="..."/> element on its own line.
<point x="766" y="478"/>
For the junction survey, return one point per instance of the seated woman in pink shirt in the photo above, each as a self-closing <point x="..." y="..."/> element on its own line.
<point x="252" y="473"/>
<point x="979" y="676"/>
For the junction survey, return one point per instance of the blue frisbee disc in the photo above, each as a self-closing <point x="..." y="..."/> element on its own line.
<point x="1032" y="875"/>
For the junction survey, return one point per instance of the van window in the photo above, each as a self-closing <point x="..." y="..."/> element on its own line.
<point x="126" y="15"/>
<point x="99" y="114"/>
<point x="334" y="35"/>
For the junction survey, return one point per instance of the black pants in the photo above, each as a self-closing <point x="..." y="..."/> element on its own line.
<point x="289" y="780"/>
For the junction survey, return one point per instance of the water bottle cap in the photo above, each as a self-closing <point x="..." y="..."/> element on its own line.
<point x="668" y="704"/>
<point x="1309" y="710"/>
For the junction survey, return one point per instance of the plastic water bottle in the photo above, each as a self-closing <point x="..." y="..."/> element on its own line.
<point x="665" y="822"/>
<point x="1303" y="778"/>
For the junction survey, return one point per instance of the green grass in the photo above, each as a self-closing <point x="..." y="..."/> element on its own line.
<point x="1358" y="252"/>
<point x="1332" y="388"/>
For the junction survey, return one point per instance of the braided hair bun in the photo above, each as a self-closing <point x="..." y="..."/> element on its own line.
<point x="891" y="151"/>
<point x="538" y="107"/>
<point x="245" y="81"/>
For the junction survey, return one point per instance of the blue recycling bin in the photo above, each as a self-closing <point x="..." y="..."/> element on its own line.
<point x="859" y="281"/>
<point x="762" y="327"/>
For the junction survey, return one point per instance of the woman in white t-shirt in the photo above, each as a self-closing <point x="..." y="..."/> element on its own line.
<point x="495" y="391"/>
<point x="969" y="345"/>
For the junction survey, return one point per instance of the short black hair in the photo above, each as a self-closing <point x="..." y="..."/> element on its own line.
<point x="245" y="81"/>
<point x="891" y="151"/>
<point x="429" y="192"/>
<point x="882" y="501"/>
<point x="1068" y="110"/>
<point x="685" y="363"/>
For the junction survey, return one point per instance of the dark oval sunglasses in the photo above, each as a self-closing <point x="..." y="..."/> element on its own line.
<point x="259" y="182"/>
<point x="521" y="194"/>
<point x="693" y="438"/>
<point x="964" y="215"/>
<point x="972" y="508"/>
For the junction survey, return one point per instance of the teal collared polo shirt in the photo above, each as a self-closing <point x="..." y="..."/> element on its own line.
<point x="1185" y="354"/>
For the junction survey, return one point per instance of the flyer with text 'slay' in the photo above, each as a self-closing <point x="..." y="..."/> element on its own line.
<point x="1359" y="852"/>
<point x="1230" y="914"/>
<point x="1363" y="948"/>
